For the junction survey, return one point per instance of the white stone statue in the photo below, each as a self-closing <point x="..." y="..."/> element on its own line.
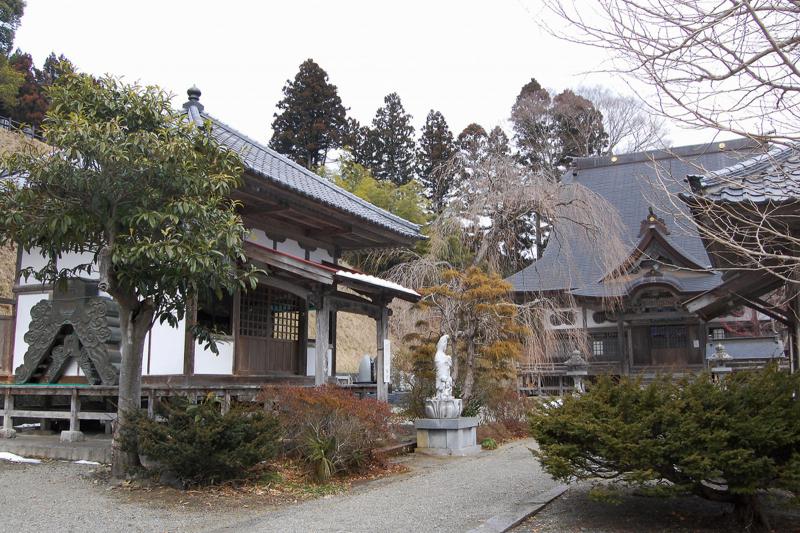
<point x="443" y="362"/>
<point x="443" y="405"/>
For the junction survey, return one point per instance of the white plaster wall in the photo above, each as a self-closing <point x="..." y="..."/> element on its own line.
<point x="259" y="237"/>
<point x="166" y="349"/>
<point x="205" y="362"/>
<point x="291" y="247"/>
<point x="578" y="322"/>
<point x="25" y="303"/>
<point x="33" y="259"/>
<point x="311" y="360"/>
<point x="71" y="260"/>
<point x="590" y="323"/>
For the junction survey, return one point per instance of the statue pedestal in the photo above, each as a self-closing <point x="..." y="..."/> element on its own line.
<point x="447" y="436"/>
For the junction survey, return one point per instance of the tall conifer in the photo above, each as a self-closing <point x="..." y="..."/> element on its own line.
<point x="391" y="142"/>
<point x="311" y="120"/>
<point x="436" y="148"/>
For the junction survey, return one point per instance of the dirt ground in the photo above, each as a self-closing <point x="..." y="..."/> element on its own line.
<point x="575" y="511"/>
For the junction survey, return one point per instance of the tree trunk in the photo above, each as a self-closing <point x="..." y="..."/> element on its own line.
<point x="134" y="325"/>
<point x="469" y="373"/>
<point x="750" y="514"/>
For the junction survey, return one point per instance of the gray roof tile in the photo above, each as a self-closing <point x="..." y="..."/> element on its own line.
<point x="631" y="183"/>
<point x="772" y="176"/>
<point x="270" y="165"/>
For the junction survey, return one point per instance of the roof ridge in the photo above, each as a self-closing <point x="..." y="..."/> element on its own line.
<point x="308" y="173"/>
<point x="774" y="155"/>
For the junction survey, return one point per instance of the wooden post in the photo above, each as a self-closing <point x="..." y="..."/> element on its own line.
<point x="621" y="341"/>
<point x="332" y="336"/>
<point x="74" y="409"/>
<point x="323" y="338"/>
<point x="151" y="406"/>
<point x="382" y="327"/>
<point x="226" y="402"/>
<point x="8" y="431"/>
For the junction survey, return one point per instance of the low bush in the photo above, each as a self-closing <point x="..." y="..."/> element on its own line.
<point x="507" y="408"/>
<point x="725" y="441"/>
<point x="200" y="444"/>
<point x="328" y="428"/>
<point x="489" y="444"/>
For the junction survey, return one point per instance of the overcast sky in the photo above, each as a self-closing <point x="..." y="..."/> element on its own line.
<point x="467" y="59"/>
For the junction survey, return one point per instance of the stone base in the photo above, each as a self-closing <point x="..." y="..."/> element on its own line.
<point x="8" y="433"/>
<point x="447" y="436"/>
<point x="72" y="436"/>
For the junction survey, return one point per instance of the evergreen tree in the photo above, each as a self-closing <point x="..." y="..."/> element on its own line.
<point x="10" y="16"/>
<point x="31" y="103"/>
<point x="578" y="126"/>
<point x="311" y="120"/>
<point x="497" y="142"/>
<point x="391" y="142"/>
<point x="10" y="81"/>
<point x="54" y="67"/>
<point x="436" y="148"/>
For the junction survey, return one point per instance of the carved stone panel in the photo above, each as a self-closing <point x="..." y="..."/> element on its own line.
<point x="76" y="324"/>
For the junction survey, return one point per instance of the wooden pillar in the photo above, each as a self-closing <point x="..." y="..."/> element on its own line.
<point x="323" y="339"/>
<point x="621" y="341"/>
<point x="333" y="332"/>
<point x="189" y="340"/>
<point x="74" y="409"/>
<point x="8" y="431"/>
<point x="382" y="323"/>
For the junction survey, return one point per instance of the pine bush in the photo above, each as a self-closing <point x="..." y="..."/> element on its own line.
<point x="203" y="446"/>
<point x="724" y="441"/>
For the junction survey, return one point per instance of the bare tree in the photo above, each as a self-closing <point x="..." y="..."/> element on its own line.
<point x="629" y="124"/>
<point x="731" y="66"/>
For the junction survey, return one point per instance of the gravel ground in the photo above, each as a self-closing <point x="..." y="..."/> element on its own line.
<point x="61" y="496"/>
<point x="574" y="511"/>
<point x="452" y="494"/>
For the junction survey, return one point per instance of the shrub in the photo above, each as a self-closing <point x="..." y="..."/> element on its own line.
<point x="489" y="444"/>
<point x="200" y="444"/>
<point x="506" y="407"/>
<point x="328" y="428"/>
<point x="722" y="441"/>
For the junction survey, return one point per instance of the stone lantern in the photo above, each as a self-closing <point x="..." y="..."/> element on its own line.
<point x="719" y="362"/>
<point x="578" y="368"/>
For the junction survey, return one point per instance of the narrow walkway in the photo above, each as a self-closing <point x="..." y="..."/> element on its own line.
<point x="454" y="494"/>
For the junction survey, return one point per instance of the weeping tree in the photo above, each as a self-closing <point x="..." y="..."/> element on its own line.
<point x="143" y="195"/>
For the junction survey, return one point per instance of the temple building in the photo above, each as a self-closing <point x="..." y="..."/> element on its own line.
<point x="631" y="318"/>
<point x="300" y="224"/>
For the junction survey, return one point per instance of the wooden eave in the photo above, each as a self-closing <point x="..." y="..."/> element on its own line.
<point x="282" y="213"/>
<point x="744" y="288"/>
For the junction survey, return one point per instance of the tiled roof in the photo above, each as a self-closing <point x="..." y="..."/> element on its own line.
<point x="270" y="165"/>
<point x="773" y="176"/>
<point x="631" y="183"/>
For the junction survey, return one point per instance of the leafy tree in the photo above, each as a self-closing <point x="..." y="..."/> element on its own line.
<point x="548" y="131"/>
<point x="390" y="143"/>
<point x="578" y="126"/>
<point x="54" y="67"/>
<point x="31" y="103"/>
<point x="140" y="192"/>
<point x="311" y="119"/>
<point x="10" y="17"/>
<point x="721" y="441"/>
<point x="10" y="82"/>
<point x="475" y="308"/>
<point x="436" y="149"/>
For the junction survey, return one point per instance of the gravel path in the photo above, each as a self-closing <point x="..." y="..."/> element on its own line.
<point x="438" y="495"/>
<point x="453" y="494"/>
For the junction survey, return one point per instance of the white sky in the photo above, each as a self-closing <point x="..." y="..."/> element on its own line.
<point x="467" y="59"/>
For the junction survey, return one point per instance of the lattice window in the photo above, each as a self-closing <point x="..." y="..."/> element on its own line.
<point x="718" y="333"/>
<point x="597" y="347"/>
<point x="668" y="337"/>
<point x="254" y="312"/>
<point x="285" y="316"/>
